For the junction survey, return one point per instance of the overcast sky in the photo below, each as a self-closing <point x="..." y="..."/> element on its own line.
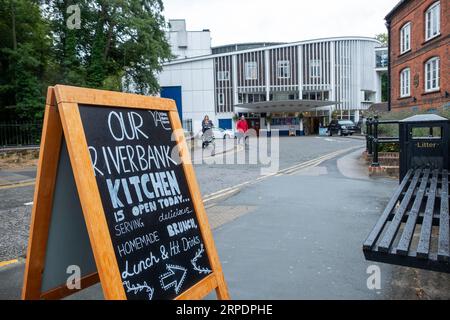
<point x="232" y="21"/>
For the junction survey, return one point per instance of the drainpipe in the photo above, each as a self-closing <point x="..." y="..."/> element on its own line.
<point x="388" y="26"/>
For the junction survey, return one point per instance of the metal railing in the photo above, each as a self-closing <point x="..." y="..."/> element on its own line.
<point x="373" y="141"/>
<point x="20" y="134"/>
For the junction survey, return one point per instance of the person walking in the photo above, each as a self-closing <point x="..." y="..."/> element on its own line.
<point x="242" y="128"/>
<point x="207" y="136"/>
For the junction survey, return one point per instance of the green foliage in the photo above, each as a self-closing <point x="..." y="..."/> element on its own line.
<point x="24" y="51"/>
<point x="389" y="147"/>
<point x="383" y="38"/>
<point x="120" y="46"/>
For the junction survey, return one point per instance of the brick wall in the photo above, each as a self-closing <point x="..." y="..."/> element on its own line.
<point x="414" y="12"/>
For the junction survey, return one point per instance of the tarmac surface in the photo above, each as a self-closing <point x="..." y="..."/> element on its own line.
<point x="294" y="235"/>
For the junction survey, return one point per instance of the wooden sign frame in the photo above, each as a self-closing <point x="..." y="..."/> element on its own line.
<point x="63" y="121"/>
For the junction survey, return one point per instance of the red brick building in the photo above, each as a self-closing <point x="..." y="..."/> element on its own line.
<point x="419" y="57"/>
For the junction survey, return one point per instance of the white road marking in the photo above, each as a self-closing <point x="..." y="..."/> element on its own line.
<point x="28" y="203"/>
<point x="288" y="171"/>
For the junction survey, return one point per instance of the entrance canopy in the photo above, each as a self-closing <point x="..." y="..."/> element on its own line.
<point x="283" y="106"/>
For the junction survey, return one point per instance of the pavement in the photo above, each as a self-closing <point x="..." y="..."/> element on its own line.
<point x="17" y="176"/>
<point x="296" y="234"/>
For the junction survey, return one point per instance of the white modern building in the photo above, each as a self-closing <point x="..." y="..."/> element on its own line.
<point x="304" y="82"/>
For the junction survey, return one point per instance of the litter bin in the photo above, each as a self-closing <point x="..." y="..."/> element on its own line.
<point x="424" y="143"/>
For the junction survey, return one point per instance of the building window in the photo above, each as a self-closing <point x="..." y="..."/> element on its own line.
<point x="432" y="21"/>
<point x="405" y="83"/>
<point x="368" y="96"/>
<point x="315" y="68"/>
<point x="251" y="70"/>
<point x="405" y="38"/>
<point x="432" y="74"/>
<point x="283" y="69"/>
<point x="316" y="95"/>
<point x="187" y="125"/>
<point x="223" y="75"/>
<point x="221" y="99"/>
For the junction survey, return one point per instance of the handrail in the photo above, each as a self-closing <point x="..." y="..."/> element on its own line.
<point x="372" y="139"/>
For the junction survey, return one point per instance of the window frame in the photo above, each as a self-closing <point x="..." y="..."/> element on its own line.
<point x="220" y="76"/>
<point x="315" y="64"/>
<point x="221" y="99"/>
<point x="253" y="65"/>
<point x="405" y="82"/>
<point x="403" y="34"/>
<point x="429" y="20"/>
<point x="428" y="80"/>
<point x="283" y="65"/>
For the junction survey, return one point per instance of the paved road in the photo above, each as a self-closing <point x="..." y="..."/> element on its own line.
<point x="298" y="234"/>
<point x="292" y="150"/>
<point x="15" y="202"/>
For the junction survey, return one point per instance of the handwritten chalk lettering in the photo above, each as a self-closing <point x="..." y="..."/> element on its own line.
<point x="189" y="243"/>
<point x="128" y="226"/>
<point x="174" y="277"/>
<point x="179" y="227"/>
<point x="136" y="288"/>
<point x="194" y="260"/>
<point x="174" y="248"/>
<point x="94" y="157"/>
<point x="118" y="126"/>
<point x="164" y="253"/>
<point x="142" y="208"/>
<point x="162" y="184"/>
<point x="126" y="159"/>
<point x="119" y="215"/>
<point x="137" y="243"/>
<point x="174" y="213"/>
<point x="170" y="201"/>
<point x="161" y="118"/>
<point x="140" y="266"/>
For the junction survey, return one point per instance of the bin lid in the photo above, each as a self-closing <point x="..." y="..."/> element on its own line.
<point x="424" y="118"/>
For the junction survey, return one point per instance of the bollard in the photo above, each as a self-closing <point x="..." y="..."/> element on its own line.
<point x="375" y="143"/>
<point x="369" y="136"/>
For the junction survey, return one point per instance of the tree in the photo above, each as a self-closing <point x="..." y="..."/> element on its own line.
<point x="24" y="51"/>
<point x="120" y="45"/>
<point x="383" y="38"/>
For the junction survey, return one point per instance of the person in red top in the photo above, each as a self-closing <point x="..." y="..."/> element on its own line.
<point x="242" y="128"/>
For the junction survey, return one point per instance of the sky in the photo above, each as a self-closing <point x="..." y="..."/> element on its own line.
<point x="236" y="21"/>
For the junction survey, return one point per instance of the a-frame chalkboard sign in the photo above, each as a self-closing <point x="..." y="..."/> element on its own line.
<point x="117" y="201"/>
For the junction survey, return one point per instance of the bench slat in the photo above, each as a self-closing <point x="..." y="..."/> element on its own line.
<point x="423" y="247"/>
<point x="375" y="233"/>
<point x="389" y="237"/>
<point x="444" y="239"/>
<point x="405" y="240"/>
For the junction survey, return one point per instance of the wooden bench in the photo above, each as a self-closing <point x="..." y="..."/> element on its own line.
<point x="413" y="229"/>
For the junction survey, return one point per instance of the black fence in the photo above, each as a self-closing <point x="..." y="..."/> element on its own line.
<point x="20" y="134"/>
<point x="373" y="141"/>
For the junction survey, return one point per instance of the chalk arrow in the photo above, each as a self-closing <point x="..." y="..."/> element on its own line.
<point x="174" y="277"/>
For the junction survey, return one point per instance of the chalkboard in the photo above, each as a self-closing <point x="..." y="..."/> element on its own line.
<point x="68" y="240"/>
<point x="113" y="199"/>
<point x="151" y="219"/>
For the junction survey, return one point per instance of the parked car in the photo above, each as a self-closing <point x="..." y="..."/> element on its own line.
<point x="342" y="127"/>
<point x="219" y="133"/>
